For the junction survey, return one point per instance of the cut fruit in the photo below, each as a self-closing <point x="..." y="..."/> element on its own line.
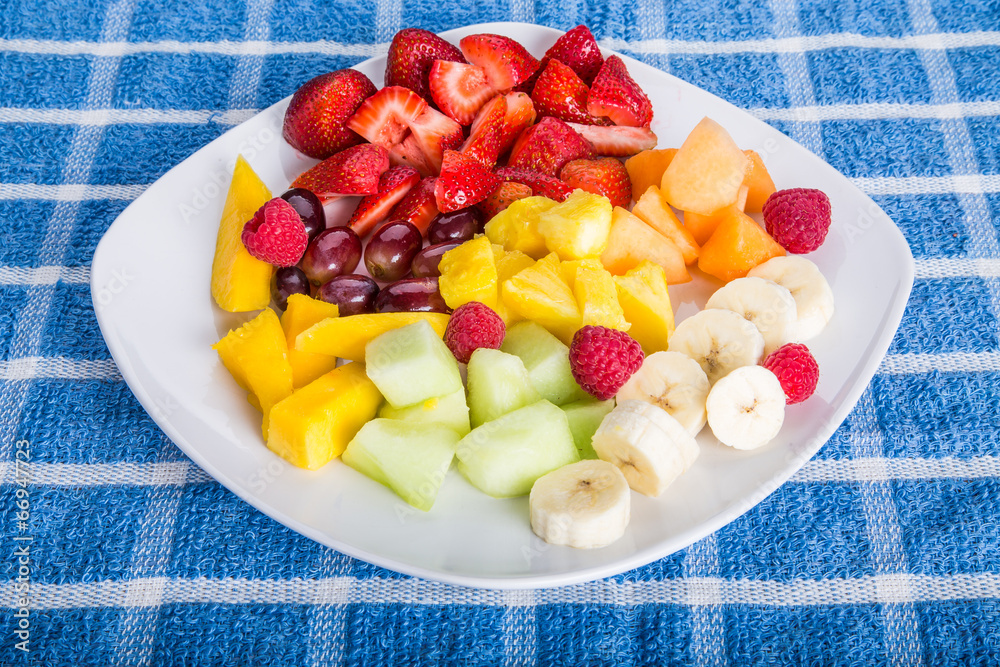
<point x="346" y="337"/>
<point x="508" y="263"/>
<point x="707" y="171"/>
<point x="632" y="241"/>
<point x="314" y="425"/>
<point x="256" y="355"/>
<point x="503" y="458"/>
<point x="597" y="297"/>
<point x="411" y="364"/>
<point x="451" y="411"/>
<point x="498" y="384"/>
<point x="585" y="417"/>
<point x="240" y="281"/>
<point x="539" y="293"/>
<point x="654" y="210"/>
<point x="546" y="358"/>
<point x="516" y="227"/>
<point x="303" y="312"/>
<point x="759" y="184"/>
<point x="642" y="293"/>
<point x="411" y="459"/>
<point x="578" y="227"/>
<point x="646" y="168"/>
<point x="459" y="89"/>
<point x="737" y="245"/>
<point x="468" y="273"/>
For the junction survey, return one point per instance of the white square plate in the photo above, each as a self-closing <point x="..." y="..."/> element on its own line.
<point x="150" y="285"/>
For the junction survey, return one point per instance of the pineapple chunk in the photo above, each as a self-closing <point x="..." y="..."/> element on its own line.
<point x="302" y="312"/>
<point x="508" y="265"/>
<point x="642" y="293"/>
<point x="578" y="227"/>
<point x="469" y="273"/>
<point x="256" y="355"/>
<point x="538" y="293"/>
<point x="516" y="227"/>
<point x="597" y="298"/>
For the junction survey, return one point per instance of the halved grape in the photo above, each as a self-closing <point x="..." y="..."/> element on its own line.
<point x="391" y="249"/>
<point x="425" y="263"/>
<point x="334" y="252"/>
<point x="411" y="294"/>
<point x="459" y="225"/>
<point x="309" y="208"/>
<point x="288" y="280"/>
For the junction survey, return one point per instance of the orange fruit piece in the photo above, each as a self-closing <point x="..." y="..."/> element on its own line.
<point x="646" y="168"/>
<point x="702" y="226"/>
<point x="738" y="245"/>
<point x="707" y="171"/>
<point x="653" y="209"/>
<point x="758" y="182"/>
<point x="302" y="312"/>
<point x="631" y="241"/>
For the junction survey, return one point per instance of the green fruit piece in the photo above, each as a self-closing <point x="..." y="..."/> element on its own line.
<point x="451" y="411"/>
<point x="411" y="364"/>
<point x="546" y="358"/>
<point x="411" y="459"/>
<point x="584" y="419"/>
<point x="504" y="457"/>
<point x="498" y="384"/>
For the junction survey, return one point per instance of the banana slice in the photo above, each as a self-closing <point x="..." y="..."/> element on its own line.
<point x="767" y="304"/>
<point x="746" y="408"/>
<point x="584" y="505"/>
<point x="719" y="340"/>
<point x="650" y="447"/>
<point x="807" y="285"/>
<point x="673" y="382"/>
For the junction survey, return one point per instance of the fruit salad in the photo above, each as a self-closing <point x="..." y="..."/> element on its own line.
<point x="498" y="299"/>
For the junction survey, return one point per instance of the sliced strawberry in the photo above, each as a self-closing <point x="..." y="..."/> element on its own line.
<point x="408" y="153"/>
<point x="547" y="146"/>
<point x="520" y="115"/>
<point x="435" y="133"/>
<point x="486" y="132"/>
<point x="352" y="171"/>
<point x="459" y="89"/>
<point x="577" y="49"/>
<point x="464" y="181"/>
<point x="616" y="95"/>
<point x="560" y="93"/>
<point x="504" y="60"/>
<point x="617" y="140"/>
<point x="418" y="207"/>
<point x="385" y="117"/>
<point x="505" y="195"/>
<point x="603" y="176"/>
<point x="411" y="54"/>
<point x="316" y="118"/>
<point x="392" y="187"/>
<point x="540" y="184"/>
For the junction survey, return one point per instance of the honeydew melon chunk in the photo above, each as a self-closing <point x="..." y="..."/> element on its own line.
<point x="504" y="457"/>
<point x="410" y="458"/>
<point x="546" y="358"/>
<point x="585" y="418"/>
<point x="412" y="364"/>
<point x="451" y="411"/>
<point x="498" y="384"/>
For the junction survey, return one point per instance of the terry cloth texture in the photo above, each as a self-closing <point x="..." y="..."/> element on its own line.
<point x="883" y="550"/>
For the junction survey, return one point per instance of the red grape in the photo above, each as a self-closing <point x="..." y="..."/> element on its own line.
<point x="411" y="294"/>
<point x="425" y="262"/>
<point x="352" y="293"/>
<point x="459" y="225"/>
<point x="288" y="280"/>
<point x="309" y="208"/>
<point x="334" y="252"/>
<point x="391" y="249"/>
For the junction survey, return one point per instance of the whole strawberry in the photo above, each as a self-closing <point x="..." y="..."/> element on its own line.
<point x="796" y="369"/>
<point x="316" y="118"/>
<point x="473" y="325"/>
<point x="276" y="234"/>
<point x="411" y="54"/>
<point x="798" y="219"/>
<point x="603" y="359"/>
<point x="605" y="176"/>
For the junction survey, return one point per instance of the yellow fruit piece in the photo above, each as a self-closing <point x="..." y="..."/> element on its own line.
<point x="567" y="270"/>
<point x="578" y="227"/>
<point x="737" y="245"/>
<point x="516" y="227"/>
<point x="538" y="293"/>
<point x="707" y="172"/>
<point x="508" y="265"/>
<point x="346" y="337"/>
<point x="642" y="293"/>
<point x="469" y="273"/>
<point x="646" y="168"/>
<point x="240" y="281"/>
<point x="631" y="241"/>
<point x="759" y="184"/>
<point x="654" y="210"/>
<point x="597" y="298"/>
<point x="256" y="355"/>
<point x="314" y="425"/>
<point x="302" y="312"/>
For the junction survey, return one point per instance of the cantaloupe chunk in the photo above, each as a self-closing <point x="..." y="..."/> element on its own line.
<point x="302" y="312"/>
<point x="707" y="171"/>
<point x="631" y="241"/>
<point x="646" y="168"/>
<point x="240" y="281"/>
<point x="315" y="424"/>
<point x="702" y="226"/>
<point x="346" y="337"/>
<point x="654" y="210"/>
<point x="737" y="245"/>
<point x="759" y="184"/>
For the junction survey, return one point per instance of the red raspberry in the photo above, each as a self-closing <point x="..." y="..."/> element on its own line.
<point x="796" y="369"/>
<point x="473" y="325"/>
<point x="276" y="234"/>
<point x="798" y="219"/>
<point x="603" y="359"/>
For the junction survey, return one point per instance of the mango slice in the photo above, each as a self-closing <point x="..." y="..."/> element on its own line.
<point x="346" y="337"/>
